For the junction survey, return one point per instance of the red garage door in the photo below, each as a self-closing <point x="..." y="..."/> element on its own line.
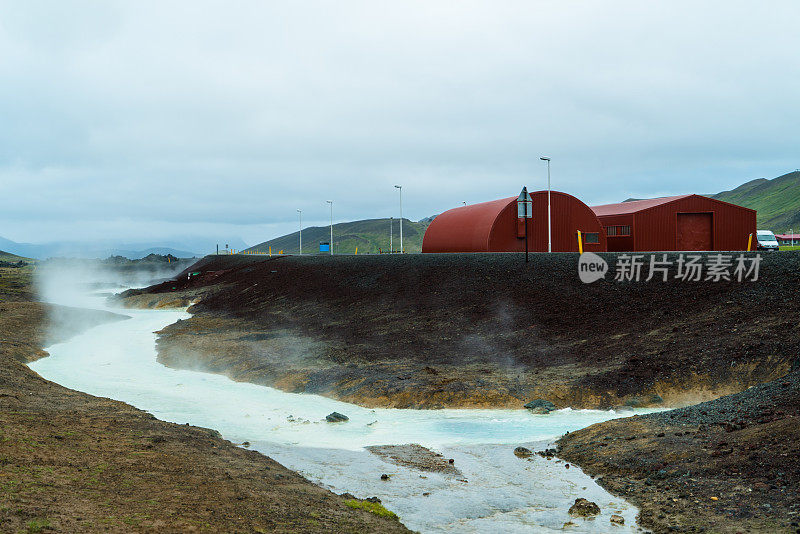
<point x="695" y="231"/>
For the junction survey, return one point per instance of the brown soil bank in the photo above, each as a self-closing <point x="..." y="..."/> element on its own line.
<point x="728" y="465"/>
<point x="479" y="330"/>
<point x="70" y="462"/>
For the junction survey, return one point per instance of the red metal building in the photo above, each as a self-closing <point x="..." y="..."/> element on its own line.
<point x="685" y="222"/>
<point x="494" y="227"/>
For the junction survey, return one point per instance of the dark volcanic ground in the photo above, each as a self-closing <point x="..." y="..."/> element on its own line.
<point x="479" y="330"/>
<point x="489" y="330"/>
<point x="728" y="465"/>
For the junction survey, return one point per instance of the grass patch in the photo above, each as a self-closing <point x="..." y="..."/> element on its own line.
<point x="37" y="525"/>
<point x="371" y="507"/>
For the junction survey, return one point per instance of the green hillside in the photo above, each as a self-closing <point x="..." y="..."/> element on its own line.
<point x="7" y="256"/>
<point x="777" y="201"/>
<point x="368" y="235"/>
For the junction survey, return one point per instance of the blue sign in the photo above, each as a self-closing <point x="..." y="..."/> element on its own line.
<point x="324" y="246"/>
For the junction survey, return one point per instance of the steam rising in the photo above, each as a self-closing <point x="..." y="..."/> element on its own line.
<point x="72" y="287"/>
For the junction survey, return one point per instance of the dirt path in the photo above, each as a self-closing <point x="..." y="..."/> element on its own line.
<point x="70" y="462"/>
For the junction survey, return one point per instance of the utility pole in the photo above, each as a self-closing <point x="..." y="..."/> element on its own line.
<point x="549" y="218"/>
<point x="391" y="235"/>
<point x="301" y="231"/>
<point x="331" y="245"/>
<point x="400" y="187"/>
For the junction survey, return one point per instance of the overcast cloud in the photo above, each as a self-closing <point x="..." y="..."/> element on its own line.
<point x="145" y="120"/>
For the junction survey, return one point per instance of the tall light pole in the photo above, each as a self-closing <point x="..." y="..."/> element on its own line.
<point x="400" y="187"/>
<point x="331" y="244"/>
<point x="391" y="235"/>
<point x="549" y="219"/>
<point x="301" y="231"/>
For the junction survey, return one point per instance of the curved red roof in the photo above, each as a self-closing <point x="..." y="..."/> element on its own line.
<point x="494" y="227"/>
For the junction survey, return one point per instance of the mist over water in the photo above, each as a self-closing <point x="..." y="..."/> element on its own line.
<point x="496" y="492"/>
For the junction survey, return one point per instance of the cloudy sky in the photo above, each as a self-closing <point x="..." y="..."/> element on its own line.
<point x="145" y="120"/>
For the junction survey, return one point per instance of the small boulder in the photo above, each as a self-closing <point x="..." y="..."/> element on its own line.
<point x="373" y="500"/>
<point x="540" y="406"/>
<point x="617" y="519"/>
<point x="336" y="417"/>
<point x="384" y="477"/>
<point x="584" y="508"/>
<point x="522" y="452"/>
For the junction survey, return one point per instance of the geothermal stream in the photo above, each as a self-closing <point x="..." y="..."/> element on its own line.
<point x="496" y="491"/>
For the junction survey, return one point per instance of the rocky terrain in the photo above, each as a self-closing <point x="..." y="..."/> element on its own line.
<point x="71" y="462"/>
<point x="727" y="465"/>
<point x="488" y="330"/>
<point x="430" y="331"/>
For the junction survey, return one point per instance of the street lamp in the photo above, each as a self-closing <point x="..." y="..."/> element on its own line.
<point x="301" y="231"/>
<point x="391" y="235"/>
<point x="400" y="187"/>
<point x="549" y="219"/>
<point x="331" y="245"/>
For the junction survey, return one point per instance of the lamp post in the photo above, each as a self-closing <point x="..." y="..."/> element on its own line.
<point x="301" y="231"/>
<point x="791" y="233"/>
<point x="400" y="187"/>
<point x="391" y="235"/>
<point x="525" y="212"/>
<point x="331" y="245"/>
<point x="549" y="219"/>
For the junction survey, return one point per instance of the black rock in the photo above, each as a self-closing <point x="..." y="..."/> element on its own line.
<point x="336" y="417"/>
<point x="584" y="508"/>
<point x="540" y="406"/>
<point x="522" y="452"/>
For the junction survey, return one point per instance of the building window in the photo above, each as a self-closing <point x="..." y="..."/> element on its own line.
<point x="591" y="238"/>
<point x="618" y="231"/>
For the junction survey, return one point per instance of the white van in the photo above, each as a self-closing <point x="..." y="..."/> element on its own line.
<point x="766" y="240"/>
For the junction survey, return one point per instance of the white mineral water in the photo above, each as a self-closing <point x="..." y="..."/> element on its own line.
<point x="498" y="492"/>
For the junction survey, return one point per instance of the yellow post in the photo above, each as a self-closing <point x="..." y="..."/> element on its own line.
<point x="356" y="251"/>
<point x="749" y="242"/>
<point x="281" y="252"/>
<point x="270" y="251"/>
<point x="580" y="243"/>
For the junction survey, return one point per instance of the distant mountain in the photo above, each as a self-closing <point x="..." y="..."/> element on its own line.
<point x="95" y="250"/>
<point x="370" y="236"/>
<point x="777" y="201"/>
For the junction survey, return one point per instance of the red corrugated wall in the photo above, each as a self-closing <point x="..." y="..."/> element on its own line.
<point x="468" y="229"/>
<point x="655" y="229"/>
<point x="618" y="243"/>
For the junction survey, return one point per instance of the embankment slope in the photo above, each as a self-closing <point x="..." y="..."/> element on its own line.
<point x="727" y="465"/>
<point x="479" y="330"/>
<point x="486" y="330"/>
<point x="71" y="462"/>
